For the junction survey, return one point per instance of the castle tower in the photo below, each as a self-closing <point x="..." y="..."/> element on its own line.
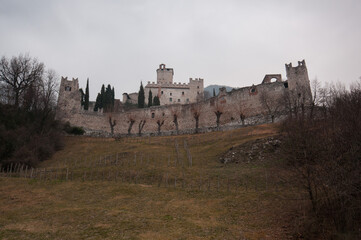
<point x="164" y="75"/>
<point x="69" y="99"/>
<point x="298" y="80"/>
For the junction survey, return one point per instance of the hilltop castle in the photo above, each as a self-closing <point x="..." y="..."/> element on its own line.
<point x="170" y="92"/>
<point x="248" y="105"/>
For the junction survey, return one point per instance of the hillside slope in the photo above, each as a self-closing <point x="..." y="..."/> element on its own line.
<point x="152" y="188"/>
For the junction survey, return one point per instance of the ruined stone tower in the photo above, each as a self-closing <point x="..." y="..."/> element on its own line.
<point x="298" y="80"/>
<point x="69" y="98"/>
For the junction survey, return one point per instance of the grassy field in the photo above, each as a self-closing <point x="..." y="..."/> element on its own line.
<point x="152" y="188"/>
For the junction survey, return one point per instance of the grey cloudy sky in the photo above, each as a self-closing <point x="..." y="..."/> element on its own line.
<point x="226" y="42"/>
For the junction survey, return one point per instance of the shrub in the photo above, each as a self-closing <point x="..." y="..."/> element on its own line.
<point x="28" y="137"/>
<point x="74" y="130"/>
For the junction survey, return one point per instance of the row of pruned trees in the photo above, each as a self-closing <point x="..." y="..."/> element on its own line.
<point x="196" y="111"/>
<point x="270" y="105"/>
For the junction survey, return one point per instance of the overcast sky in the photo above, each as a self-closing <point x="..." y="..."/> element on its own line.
<point x="225" y="42"/>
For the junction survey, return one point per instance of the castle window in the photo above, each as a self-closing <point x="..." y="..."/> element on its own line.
<point x="170" y="94"/>
<point x="163" y="114"/>
<point x="198" y="87"/>
<point x="183" y="93"/>
<point x="67" y="88"/>
<point x="253" y="90"/>
<point x="178" y="100"/>
<point x="170" y="99"/>
<point x="187" y="100"/>
<point x="161" y="92"/>
<point x="152" y="115"/>
<point x="197" y="92"/>
<point x="286" y="84"/>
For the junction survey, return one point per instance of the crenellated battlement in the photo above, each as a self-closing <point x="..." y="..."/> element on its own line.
<point x="301" y="66"/>
<point x="196" y="79"/>
<point x="69" y="85"/>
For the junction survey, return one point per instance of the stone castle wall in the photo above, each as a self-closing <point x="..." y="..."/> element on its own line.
<point x="176" y="93"/>
<point x="246" y="101"/>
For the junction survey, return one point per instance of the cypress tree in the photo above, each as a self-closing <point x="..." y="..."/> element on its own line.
<point x="156" y="101"/>
<point x="86" y="97"/>
<point x="107" y="99"/>
<point x="113" y="97"/>
<point x="82" y="97"/>
<point x="97" y="102"/>
<point x="214" y="92"/>
<point x="150" y="99"/>
<point x="102" y="96"/>
<point x="141" y="96"/>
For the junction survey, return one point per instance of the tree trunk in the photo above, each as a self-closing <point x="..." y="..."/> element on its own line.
<point x="112" y="124"/>
<point x="16" y="99"/>
<point x="218" y="114"/>
<point x="160" y="124"/>
<point x="141" y="125"/>
<point x="242" y="117"/>
<point x="131" y="122"/>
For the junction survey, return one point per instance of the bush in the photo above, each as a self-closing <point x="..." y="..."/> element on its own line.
<point x="77" y="131"/>
<point x="73" y="130"/>
<point x="28" y="137"/>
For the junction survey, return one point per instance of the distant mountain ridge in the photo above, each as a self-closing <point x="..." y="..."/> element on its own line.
<point x="210" y="88"/>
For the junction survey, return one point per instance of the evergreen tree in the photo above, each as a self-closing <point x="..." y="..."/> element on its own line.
<point x="97" y="102"/>
<point x="150" y="99"/>
<point x="141" y="97"/>
<point x="156" y="101"/>
<point x="214" y="92"/>
<point x="82" y="97"/>
<point x="102" y="96"/>
<point x="113" y="96"/>
<point x="86" y="97"/>
<point x="107" y="99"/>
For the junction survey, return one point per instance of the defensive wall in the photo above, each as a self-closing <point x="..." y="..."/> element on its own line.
<point x="247" y="104"/>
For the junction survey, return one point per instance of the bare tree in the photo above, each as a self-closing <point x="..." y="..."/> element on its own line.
<point x="140" y="127"/>
<point x="49" y="89"/>
<point x="196" y="112"/>
<point x="160" y="123"/>
<point x="112" y="123"/>
<point x="131" y="121"/>
<point x="218" y="110"/>
<point x="270" y="103"/>
<point x="141" y="124"/>
<point x="324" y="154"/>
<point x="242" y="112"/>
<point x="19" y="73"/>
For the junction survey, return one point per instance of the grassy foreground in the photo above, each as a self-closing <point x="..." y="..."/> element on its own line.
<point x="151" y="188"/>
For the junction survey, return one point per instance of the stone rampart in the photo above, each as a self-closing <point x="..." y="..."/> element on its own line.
<point x="244" y="106"/>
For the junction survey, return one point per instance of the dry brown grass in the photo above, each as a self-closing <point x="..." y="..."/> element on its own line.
<point x="96" y="209"/>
